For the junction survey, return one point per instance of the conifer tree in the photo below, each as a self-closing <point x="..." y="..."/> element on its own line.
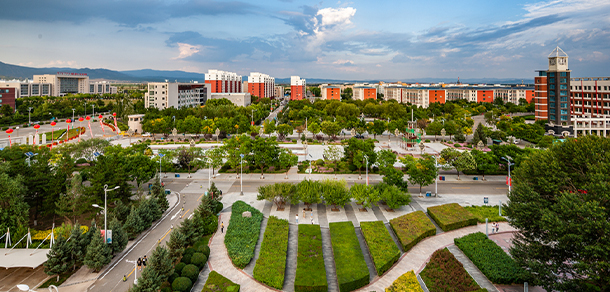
<point x="121" y="211"/>
<point x="149" y="281"/>
<point x="133" y="223"/>
<point x="161" y="262"/>
<point x="59" y="258"/>
<point x="119" y="236"/>
<point x="176" y="244"/>
<point x="79" y="242"/>
<point x="98" y="254"/>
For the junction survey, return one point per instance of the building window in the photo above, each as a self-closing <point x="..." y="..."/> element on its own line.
<point x="552" y="93"/>
<point x="563" y="93"/>
<point x="564" y="105"/>
<point x="564" y="118"/>
<point x="563" y="74"/>
<point x="551" y="74"/>
<point x="551" y="80"/>
<point x="563" y="86"/>
<point x="564" y="99"/>
<point x="552" y="117"/>
<point x="564" y="112"/>
<point x="563" y="80"/>
<point x="552" y="110"/>
<point x="552" y="86"/>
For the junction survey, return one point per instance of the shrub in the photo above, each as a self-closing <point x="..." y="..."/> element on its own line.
<point x="491" y="260"/>
<point x="482" y="212"/>
<point x="242" y="234"/>
<point x="187" y="255"/>
<point x="445" y="273"/>
<point x="199" y="260"/>
<point x="210" y="225"/>
<point x="382" y="248"/>
<point x="427" y="141"/>
<point x="271" y="263"/>
<point x="178" y="268"/>
<point x="405" y="283"/>
<point x="456" y="145"/>
<point x="190" y="271"/>
<point x="173" y="277"/>
<point x="311" y="274"/>
<point x="205" y="250"/>
<point x="182" y="284"/>
<point x="352" y="272"/>
<point x="412" y="228"/>
<point x="451" y="216"/>
<point x="217" y="283"/>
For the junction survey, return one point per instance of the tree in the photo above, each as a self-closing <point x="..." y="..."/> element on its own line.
<point x="59" y="258"/>
<point x="335" y="193"/>
<point x="314" y="128"/>
<point x="459" y="136"/>
<point x="386" y="158"/>
<point x="422" y="171"/>
<point x="149" y="280"/>
<point x="486" y="162"/>
<point x="265" y="152"/>
<point x="331" y="129"/>
<point x="269" y="127"/>
<point x="308" y="192"/>
<point x="434" y="128"/>
<point x="119" y="237"/>
<point x="453" y="157"/>
<point x="14" y="209"/>
<point x="287" y="160"/>
<point x="394" y="177"/>
<point x="546" y="142"/>
<point x="184" y="158"/>
<point x="479" y="135"/>
<point x="347" y="94"/>
<point x="216" y="156"/>
<point x="283" y="130"/>
<point x="393" y="196"/>
<point x="73" y="203"/>
<point x="79" y="242"/>
<point x="6" y="110"/>
<point x="98" y="254"/>
<point x="278" y="193"/>
<point x="190" y="124"/>
<point x="560" y="205"/>
<point x="160" y="261"/>
<point x="141" y="169"/>
<point x="176" y="245"/>
<point x="365" y="195"/>
<point x="377" y="127"/>
<point x="333" y="153"/>
<point x="133" y="224"/>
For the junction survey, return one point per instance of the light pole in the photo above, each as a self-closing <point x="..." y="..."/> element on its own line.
<point x="29" y="119"/>
<point x="508" y="159"/>
<point x="93" y="105"/>
<point x="135" y="268"/>
<point x="85" y="109"/>
<point x="160" y="158"/>
<point x="241" y="186"/>
<point x="252" y="117"/>
<point x="367" y="169"/>
<point x="73" y="114"/>
<point x="105" y="210"/>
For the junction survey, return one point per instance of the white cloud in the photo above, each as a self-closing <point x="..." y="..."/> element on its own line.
<point x="333" y="16"/>
<point x="62" y="63"/>
<point x="187" y="50"/>
<point x="343" y="62"/>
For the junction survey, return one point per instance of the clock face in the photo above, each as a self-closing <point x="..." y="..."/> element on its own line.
<point x="562" y="61"/>
<point x="551" y="62"/>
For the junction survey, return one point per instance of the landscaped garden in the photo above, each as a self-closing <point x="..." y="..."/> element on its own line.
<point x="491" y="260"/>
<point x="489" y="212"/>
<point x="352" y="272"/>
<point x="405" y="283"/>
<point x="445" y="273"/>
<point x="384" y="251"/>
<point x="271" y="263"/>
<point x="242" y="233"/>
<point x="451" y="216"/>
<point x="412" y="228"/>
<point x="311" y="272"/>
<point x="218" y="283"/>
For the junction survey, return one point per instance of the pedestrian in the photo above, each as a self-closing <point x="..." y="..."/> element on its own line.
<point x="297" y="216"/>
<point x="497" y="227"/>
<point x="303" y="213"/>
<point x="139" y="264"/>
<point x="144" y="260"/>
<point x="222" y="227"/>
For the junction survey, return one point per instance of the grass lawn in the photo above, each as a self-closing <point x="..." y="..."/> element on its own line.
<point x="445" y="273"/>
<point x="271" y="263"/>
<point x="412" y="228"/>
<point x="451" y="216"/>
<point x="55" y="135"/>
<point x="352" y="272"/>
<point x="242" y="234"/>
<point x="489" y="212"/>
<point x="382" y="248"/>
<point x="218" y="283"/>
<point x="311" y="272"/>
<point x="405" y="283"/>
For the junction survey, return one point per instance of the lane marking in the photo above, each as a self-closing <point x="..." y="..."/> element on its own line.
<point x="461" y="188"/>
<point x="184" y="213"/>
<point x="501" y="188"/>
<point x="175" y="215"/>
<point x="200" y="197"/>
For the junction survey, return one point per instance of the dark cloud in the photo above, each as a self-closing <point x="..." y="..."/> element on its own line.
<point x="129" y="13"/>
<point x="301" y="21"/>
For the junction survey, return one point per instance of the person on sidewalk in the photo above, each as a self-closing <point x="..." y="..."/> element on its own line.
<point x="222" y="227"/>
<point x="497" y="227"/>
<point x="144" y="260"/>
<point x="139" y="263"/>
<point x="297" y="217"/>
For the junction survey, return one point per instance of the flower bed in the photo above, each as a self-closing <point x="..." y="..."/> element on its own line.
<point x="311" y="272"/>
<point x="451" y="216"/>
<point x="382" y="248"/>
<point x="271" y="263"/>
<point x="352" y="272"/>
<point x="412" y="228"/>
<point x="482" y="212"/>
<point x="445" y="273"/>
<point x="491" y="260"/>
<point x="405" y="283"/>
<point x="218" y="283"/>
<point x="242" y="234"/>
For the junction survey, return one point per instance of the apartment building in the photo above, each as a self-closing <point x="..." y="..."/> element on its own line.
<point x="223" y="82"/>
<point x="8" y="96"/>
<point x="261" y="85"/>
<point x="364" y="92"/>
<point x="278" y="91"/>
<point x="298" y="88"/>
<point x="102" y="88"/>
<point x="552" y="103"/>
<point x="392" y="92"/>
<point x="590" y="95"/>
<point x="514" y="94"/>
<point x="164" y="95"/>
<point x="331" y="92"/>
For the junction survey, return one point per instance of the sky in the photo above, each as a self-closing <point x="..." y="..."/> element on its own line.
<point x="354" y="40"/>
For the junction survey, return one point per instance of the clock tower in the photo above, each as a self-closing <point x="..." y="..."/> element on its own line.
<point x="558" y="60"/>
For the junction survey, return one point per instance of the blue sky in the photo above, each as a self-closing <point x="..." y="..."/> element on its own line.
<point x="390" y="40"/>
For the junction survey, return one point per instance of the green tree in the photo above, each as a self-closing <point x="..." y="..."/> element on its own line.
<point x="334" y="153"/>
<point x="378" y="127"/>
<point x="560" y="205"/>
<point x="190" y="124"/>
<point x="149" y="280"/>
<point x="486" y="162"/>
<point x="434" y="128"/>
<point x="133" y="224"/>
<point x="6" y="110"/>
<point x="464" y="162"/>
<point x="283" y="130"/>
<point x="176" y="245"/>
<point x="365" y="195"/>
<point x="278" y="193"/>
<point x="422" y="171"/>
<point x="98" y="254"/>
<point x="141" y="169"/>
<point x="386" y="158"/>
<point x="347" y="94"/>
<point x="119" y="237"/>
<point x="216" y="156"/>
<point x="308" y="192"/>
<point x="73" y="203"/>
<point x="331" y="129"/>
<point x="269" y="127"/>
<point x="265" y="152"/>
<point x="160" y="261"/>
<point x="59" y="259"/>
<point x="479" y="135"/>
<point x="394" y="177"/>
<point x="287" y="160"/>
<point x="14" y="209"/>
<point x="393" y="196"/>
<point x="546" y="141"/>
<point x="335" y="193"/>
<point x="459" y="136"/>
<point x="314" y="128"/>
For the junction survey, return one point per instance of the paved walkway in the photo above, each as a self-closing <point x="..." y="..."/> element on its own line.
<point x="293" y="246"/>
<point x="203" y="276"/>
<point x="365" y="250"/>
<point x="415" y="258"/>
<point x="474" y="272"/>
<point x="327" y="250"/>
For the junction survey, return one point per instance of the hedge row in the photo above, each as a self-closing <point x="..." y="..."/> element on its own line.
<point x="217" y="283"/>
<point x="489" y="212"/>
<point x="382" y="248"/>
<point x="352" y="272"/>
<point x="405" y="283"/>
<point x="412" y="228"/>
<point x="311" y="272"/>
<point x="242" y="234"/>
<point x="496" y="264"/>
<point x="451" y="216"/>
<point x="445" y="273"/>
<point x="271" y="263"/>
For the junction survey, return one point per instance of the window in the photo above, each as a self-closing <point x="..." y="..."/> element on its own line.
<point x="563" y="86"/>
<point x="552" y="104"/>
<point x="552" y="98"/>
<point x="564" y="80"/>
<point x="563" y="74"/>
<point x="564" y="105"/>
<point x="564" y="118"/>
<point x="552" y="117"/>
<point x="552" y="111"/>
<point x="551" y="74"/>
<point x="552" y="93"/>
<point x="563" y="93"/>
<point x="552" y="86"/>
<point x="551" y="80"/>
<point x="564" y="99"/>
<point x="564" y="112"/>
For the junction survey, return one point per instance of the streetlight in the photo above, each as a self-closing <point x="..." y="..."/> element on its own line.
<point x="135" y="268"/>
<point x="105" y="208"/>
<point x="73" y="114"/>
<point x="367" y="169"/>
<point x="160" y="158"/>
<point x="29" y="119"/>
<point x="93" y="105"/>
<point x="241" y="186"/>
<point x="508" y="159"/>
<point x="85" y="108"/>
<point x="24" y="287"/>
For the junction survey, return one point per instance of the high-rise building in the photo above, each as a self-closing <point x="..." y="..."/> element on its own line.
<point x="64" y="83"/>
<point x="164" y="95"/>
<point x="331" y="92"/>
<point x="365" y="92"/>
<point x="8" y="95"/>
<point x="298" y="88"/>
<point x="279" y="91"/>
<point x="553" y="100"/>
<point x="223" y="82"/>
<point x="261" y="85"/>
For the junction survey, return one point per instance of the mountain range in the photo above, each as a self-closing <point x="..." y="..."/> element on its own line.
<point x="9" y="71"/>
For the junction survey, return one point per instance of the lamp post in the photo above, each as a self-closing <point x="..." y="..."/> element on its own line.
<point x="252" y="117"/>
<point x="73" y="114"/>
<point x="160" y="158"/>
<point x="105" y="210"/>
<point x="93" y="105"/>
<point x="367" y="169"/>
<point x="508" y="162"/>
<point x="85" y="108"/>
<point x="241" y="186"/>
<point x="29" y="119"/>
<point x="135" y="268"/>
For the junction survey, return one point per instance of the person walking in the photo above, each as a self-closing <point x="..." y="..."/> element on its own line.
<point x="144" y="261"/>
<point x="497" y="227"/>
<point x="222" y="227"/>
<point x="139" y="264"/>
<point x="297" y="216"/>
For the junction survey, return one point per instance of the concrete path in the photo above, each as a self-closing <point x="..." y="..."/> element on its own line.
<point x="293" y="246"/>
<point x="327" y="250"/>
<point x="203" y="276"/>
<point x="365" y="251"/>
<point x="266" y="210"/>
<point x="415" y="258"/>
<point x="474" y="272"/>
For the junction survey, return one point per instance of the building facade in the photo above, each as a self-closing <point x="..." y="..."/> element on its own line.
<point x="102" y="88"/>
<point x="278" y="91"/>
<point x="514" y="94"/>
<point x="223" y="82"/>
<point x="164" y="95"/>
<point x="298" y="88"/>
<point x="392" y="92"/>
<point x="8" y="96"/>
<point x="238" y="99"/>
<point x="331" y="92"/>
<point x="64" y="83"/>
<point x="362" y="93"/>
<point x="557" y="90"/>
<point x="261" y="85"/>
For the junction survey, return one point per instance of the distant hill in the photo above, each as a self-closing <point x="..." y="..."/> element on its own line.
<point x="160" y="75"/>
<point x="21" y="72"/>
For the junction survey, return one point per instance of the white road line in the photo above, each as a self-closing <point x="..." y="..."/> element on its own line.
<point x="175" y="215"/>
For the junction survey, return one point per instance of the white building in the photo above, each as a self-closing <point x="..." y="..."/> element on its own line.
<point x="261" y="85"/>
<point x="102" y="88"/>
<point x="238" y="99"/>
<point x="223" y="81"/>
<point x="65" y="82"/>
<point x="164" y="95"/>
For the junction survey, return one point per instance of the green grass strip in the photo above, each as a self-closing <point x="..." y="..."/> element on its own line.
<point x="451" y="216"/>
<point x="242" y="234"/>
<point x="271" y="263"/>
<point x="381" y="245"/>
<point x="352" y="272"/>
<point x="311" y="272"/>
<point x="218" y="283"/>
<point x="489" y="212"/>
<point x="445" y="273"/>
<point x="412" y="228"/>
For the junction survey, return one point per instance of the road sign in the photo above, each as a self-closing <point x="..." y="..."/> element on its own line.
<point x="486" y="200"/>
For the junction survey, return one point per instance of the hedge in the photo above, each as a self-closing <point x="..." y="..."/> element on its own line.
<point x="190" y="271"/>
<point x="489" y="212"/>
<point x="445" y="273"/>
<point x="382" y="248"/>
<point x="496" y="264"/>
<point x="199" y="259"/>
<point x="405" y="283"/>
<point x="311" y="271"/>
<point x="412" y="228"/>
<point x="242" y="234"/>
<point x="451" y="216"/>
<point x="182" y="284"/>
<point x="271" y="263"/>
<point x="352" y="271"/>
<point x="217" y="283"/>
